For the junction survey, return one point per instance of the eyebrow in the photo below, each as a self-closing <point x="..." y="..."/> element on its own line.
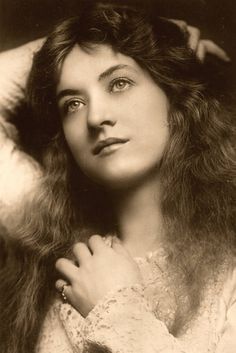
<point x="102" y="76"/>
<point x="110" y="71"/>
<point x="68" y="92"/>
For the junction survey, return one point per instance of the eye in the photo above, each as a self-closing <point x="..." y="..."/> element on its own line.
<point x="120" y="84"/>
<point x="72" y="106"/>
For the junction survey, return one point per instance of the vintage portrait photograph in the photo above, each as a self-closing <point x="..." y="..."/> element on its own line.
<point x="117" y="176"/>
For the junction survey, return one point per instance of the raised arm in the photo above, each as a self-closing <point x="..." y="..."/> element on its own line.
<point x="15" y="65"/>
<point x="18" y="171"/>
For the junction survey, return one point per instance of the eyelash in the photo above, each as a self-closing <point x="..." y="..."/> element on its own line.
<point x="66" y="106"/>
<point x="118" y="80"/>
<point x="128" y="83"/>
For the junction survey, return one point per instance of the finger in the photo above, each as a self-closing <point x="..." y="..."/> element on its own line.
<point x="81" y="252"/>
<point x="212" y="48"/>
<point x="200" y="52"/>
<point x="194" y="37"/>
<point x="96" y="243"/>
<point x="65" y="290"/>
<point x="181" y="24"/>
<point x="119" y="248"/>
<point x="108" y="240"/>
<point x="60" y="284"/>
<point x="67" y="269"/>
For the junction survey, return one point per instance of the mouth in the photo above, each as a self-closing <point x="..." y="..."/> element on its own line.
<point x="102" y="145"/>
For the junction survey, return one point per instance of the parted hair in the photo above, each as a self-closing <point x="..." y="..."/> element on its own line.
<point x="197" y="171"/>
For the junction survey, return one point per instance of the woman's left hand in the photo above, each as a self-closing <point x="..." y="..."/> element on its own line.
<point x="101" y="269"/>
<point x="200" y="46"/>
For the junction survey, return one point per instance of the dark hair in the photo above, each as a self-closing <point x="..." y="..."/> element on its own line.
<point x="197" y="170"/>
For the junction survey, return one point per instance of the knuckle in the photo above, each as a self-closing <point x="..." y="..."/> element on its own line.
<point x="58" y="284"/>
<point x="182" y="23"/>
<point x="94" y="237"/>
<point x="196" y="31"/>
<point x="83" y="273"/>
<point x="76" y="247"/>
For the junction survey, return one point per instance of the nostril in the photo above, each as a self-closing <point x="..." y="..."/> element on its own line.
<point x="100" y="125"/>
<point x="108" y="122"/>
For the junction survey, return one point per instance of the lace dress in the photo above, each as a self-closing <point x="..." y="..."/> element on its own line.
<point x="136" y="319"/>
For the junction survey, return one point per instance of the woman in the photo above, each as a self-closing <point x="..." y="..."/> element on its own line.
<point x="137" y="150"/>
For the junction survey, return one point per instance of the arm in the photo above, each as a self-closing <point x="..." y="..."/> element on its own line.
<point x="19" y="174"/>
<point x="18" y="171"/>
<point x="15" y="65"/>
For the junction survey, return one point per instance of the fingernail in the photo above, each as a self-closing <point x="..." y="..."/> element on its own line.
<point x="108" y="241"/>
<point x="115" y="239"/>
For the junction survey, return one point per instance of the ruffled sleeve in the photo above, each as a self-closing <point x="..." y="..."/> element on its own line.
<point x="128" y="325"/>
<point x="125" y="322"/>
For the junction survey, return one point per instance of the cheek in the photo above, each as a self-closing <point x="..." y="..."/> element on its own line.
<point x="151" y="122"/>
<point x="75" y="141"/>
<point x="150" y="150"/>
<point x="149" y="107"/>
<point x="151" y="126"/>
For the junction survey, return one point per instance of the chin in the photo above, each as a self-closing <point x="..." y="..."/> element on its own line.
<point x="120" y="179"/>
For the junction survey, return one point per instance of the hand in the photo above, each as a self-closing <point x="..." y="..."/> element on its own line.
<point x="101" y="269"/>
<point x="201" y="46"/>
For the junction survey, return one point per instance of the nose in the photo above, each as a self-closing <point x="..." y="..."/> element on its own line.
<point x="100" y="115"/>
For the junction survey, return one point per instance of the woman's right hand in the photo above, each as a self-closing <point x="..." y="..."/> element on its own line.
<point x="101" y="269"/>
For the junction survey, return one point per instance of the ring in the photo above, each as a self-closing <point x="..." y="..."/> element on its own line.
<point x="62" y="291"/>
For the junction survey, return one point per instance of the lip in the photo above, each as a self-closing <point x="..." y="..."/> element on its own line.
<point x="107" y="142"/>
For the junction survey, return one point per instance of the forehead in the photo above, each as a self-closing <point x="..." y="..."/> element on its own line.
<point x="85" y="65"/>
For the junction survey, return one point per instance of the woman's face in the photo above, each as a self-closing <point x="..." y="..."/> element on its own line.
<point x="114" y="116"/>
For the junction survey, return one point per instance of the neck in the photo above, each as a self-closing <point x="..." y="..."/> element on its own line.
<point x="139" y="218"/>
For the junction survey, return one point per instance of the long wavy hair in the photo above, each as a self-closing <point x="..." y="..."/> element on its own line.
<point x="197" y="171"/>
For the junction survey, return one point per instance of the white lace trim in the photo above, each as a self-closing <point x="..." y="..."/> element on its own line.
<point x="150" y="306"/>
